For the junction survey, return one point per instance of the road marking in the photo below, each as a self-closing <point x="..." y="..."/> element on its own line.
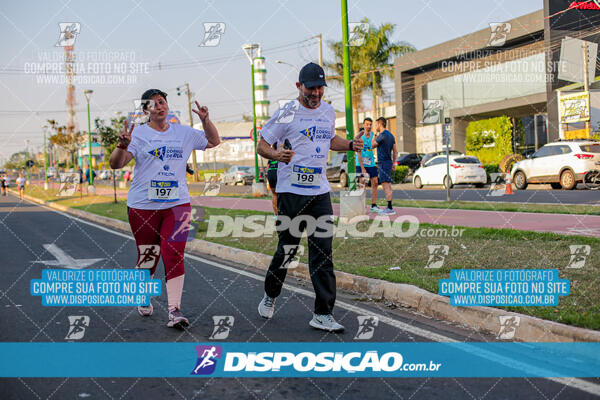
<point x="576" y="383"/>
<point x="63" y="260"/>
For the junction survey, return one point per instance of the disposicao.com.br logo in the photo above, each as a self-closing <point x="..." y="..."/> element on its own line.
<point x="300" y="364"/>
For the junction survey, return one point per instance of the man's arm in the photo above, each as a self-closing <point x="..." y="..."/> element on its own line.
<point x="395" y="153"/>
<point x="265" y="150"/>
<point x="375" y="143"/>
<point x="340" y="144"/>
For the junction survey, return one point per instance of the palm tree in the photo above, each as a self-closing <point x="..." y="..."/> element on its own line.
<point x="370" y="63"/>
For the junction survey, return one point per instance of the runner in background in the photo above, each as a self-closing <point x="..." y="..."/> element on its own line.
<point x="365" y="163"/>
<point x="272" y="178"/>
<point x="21" y="185"/>
<point x="3" y="184"/>
<point x="158" y="201"/>
<point x="386" y="155"/>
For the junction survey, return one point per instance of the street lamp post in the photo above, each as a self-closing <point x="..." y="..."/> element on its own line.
<point x="118" y="114"/>
<point x="88" y="95"/>
<point x="249" y="49"/>
<point x="45" y="128"/>
<point x="291" y="65"/>
<point x="28" y="179"/>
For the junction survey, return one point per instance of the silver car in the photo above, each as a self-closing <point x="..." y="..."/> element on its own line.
<point x="238" y="175"/>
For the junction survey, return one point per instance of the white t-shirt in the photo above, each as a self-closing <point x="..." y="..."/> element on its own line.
<point x="20" y="181"/>
<point x="160" y="161"/>
<point x="309" y="132"/>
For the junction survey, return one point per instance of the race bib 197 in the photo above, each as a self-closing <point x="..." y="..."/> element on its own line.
<point x="305" y="177"/>
<point x="163" y="190"/>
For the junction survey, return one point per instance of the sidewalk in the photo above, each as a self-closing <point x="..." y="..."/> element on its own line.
<point x="564" y="224"/>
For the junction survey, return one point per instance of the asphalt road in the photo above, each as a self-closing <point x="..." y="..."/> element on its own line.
<point x="213" y="287"/>
<point x="466" y="193"/>
<point x="533" y="194"/>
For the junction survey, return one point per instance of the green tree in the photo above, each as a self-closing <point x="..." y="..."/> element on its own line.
<point x="67" y="141"/>
<point x="109" y="139"/>
<point x="16" y="160"/>
<point x="370" y="63"/>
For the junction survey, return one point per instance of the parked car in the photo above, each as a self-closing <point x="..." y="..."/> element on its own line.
<point x="463" y="169"/>
<point x="411" y="160"/>
<point x="238" y="174"/>
<point x="337" y="169"/>
<point x="561" y="164"/>
<point x="105" y="174"/>
<point x="429" y="156"/>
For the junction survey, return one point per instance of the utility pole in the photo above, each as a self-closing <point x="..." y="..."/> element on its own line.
<point x="195" y="164"/>
<point x="320" y="37"/>
<point x="586" y="86"/>
<point x="348" y="96"/>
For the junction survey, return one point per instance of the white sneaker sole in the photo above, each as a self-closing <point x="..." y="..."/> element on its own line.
<point x="317" y="325"/>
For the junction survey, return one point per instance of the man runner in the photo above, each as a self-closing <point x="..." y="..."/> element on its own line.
<point x="365" y="162"/>
<point x="303" y="192"/>
<point x="386" y="155"/>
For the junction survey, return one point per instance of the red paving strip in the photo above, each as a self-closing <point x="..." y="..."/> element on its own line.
<point x="586" y="225"/>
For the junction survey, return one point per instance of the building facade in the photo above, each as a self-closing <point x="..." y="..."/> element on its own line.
<point x="509" y="69"/>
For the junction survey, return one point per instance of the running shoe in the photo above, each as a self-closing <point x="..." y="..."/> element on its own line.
<point x="326" y="323"/>
<point x="388" y="211"/>
<point x="145" y="311"/>
<point x="177" y="320"/>
<point x="266" y="307"/>
<point x="375" y="209"/>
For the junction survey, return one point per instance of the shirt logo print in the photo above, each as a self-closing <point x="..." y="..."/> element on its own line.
<point x="309" y="133"/>
<point x="158" y="152"/>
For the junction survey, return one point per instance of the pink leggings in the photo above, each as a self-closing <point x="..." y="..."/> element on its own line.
<point x="163" y="232"/>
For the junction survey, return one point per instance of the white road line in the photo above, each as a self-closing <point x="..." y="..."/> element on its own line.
<point x="576" y="383"/>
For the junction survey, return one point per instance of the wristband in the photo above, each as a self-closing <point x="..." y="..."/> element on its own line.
<point x="352" y="145"/>
<point x="122" y="146"/>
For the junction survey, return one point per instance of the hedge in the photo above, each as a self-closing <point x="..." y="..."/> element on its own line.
<point x="400" y="173"/>
<point x="489" y="139"/>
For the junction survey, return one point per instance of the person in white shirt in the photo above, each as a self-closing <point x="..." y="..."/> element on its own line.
<point x="307" y="125"/>
<point x="158" y="201"/>
<point x="21" y="185"/>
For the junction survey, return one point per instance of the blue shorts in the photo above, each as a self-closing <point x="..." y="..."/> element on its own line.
<point x="372" y="171"/>
<point x="385" y="171"/>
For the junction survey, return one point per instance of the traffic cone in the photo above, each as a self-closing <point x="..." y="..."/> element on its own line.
<point x="509" y="189"/>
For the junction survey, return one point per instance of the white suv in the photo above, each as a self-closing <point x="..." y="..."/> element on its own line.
<point x="561" y="164"/>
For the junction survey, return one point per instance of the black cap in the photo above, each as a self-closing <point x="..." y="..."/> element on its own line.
<point x="312" y="75"/>
<point x="151" y="92"/>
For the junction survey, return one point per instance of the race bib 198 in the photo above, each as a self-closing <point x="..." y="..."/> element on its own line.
<point x="163" y="190"/>
<point x="305" y="177"/>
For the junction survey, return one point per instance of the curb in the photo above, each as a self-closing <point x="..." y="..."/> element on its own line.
<point x="481" y="319"/>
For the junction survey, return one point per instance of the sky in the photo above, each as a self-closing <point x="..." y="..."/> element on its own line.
<point x="134" y="45"/>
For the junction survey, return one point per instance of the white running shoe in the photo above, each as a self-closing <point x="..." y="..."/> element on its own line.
<point x="326" y="323"/>
<point x="266" y="307"/>
<point x="177" y="320"/>
<point x="145" y="311"/>
<point x="375" y="209"/>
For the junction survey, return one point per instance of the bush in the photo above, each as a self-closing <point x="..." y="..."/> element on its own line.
<point x="489" y="139"/>
<point x="400" y="173"/>
<point x="491" y="168"/>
